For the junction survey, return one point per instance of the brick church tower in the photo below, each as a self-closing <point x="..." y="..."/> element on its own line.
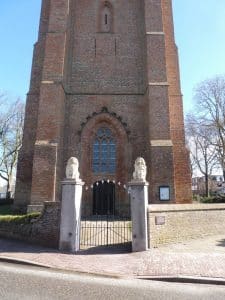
<point x="104" y="88"/>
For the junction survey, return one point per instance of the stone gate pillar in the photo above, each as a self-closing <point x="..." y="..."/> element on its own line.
<point x="138" y="189"/>
<point x="71" y="208"/>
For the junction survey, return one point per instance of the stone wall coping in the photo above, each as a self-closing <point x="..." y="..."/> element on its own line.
<point x="153" y="208"/>
<point x="52" y="203"/>
<point x="35" y="208"/>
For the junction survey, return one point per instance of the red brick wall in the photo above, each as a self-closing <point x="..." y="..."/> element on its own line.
<point x="109" y="63"/>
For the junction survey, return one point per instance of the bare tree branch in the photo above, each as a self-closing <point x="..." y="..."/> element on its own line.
<point x="202" y="153"/>
<point x="210" y="104"/>
<point x="11" y="127"/>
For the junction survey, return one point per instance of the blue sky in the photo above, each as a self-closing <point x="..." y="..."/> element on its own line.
<point x="18" y="30"/>
<point x="200" y="36"/>
<point x="199" y="31"/>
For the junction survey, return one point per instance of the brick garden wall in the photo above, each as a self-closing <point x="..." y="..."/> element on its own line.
<point x="166" y="224"/>
<point x="42" y="231"/>
<point x="180" y="222"/>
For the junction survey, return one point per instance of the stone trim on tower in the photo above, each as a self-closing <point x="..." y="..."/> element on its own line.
<point x="104" y="110"/>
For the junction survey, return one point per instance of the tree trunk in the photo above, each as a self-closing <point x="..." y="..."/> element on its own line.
<point x="207" y="185"/>
<point x="7" y="191"/>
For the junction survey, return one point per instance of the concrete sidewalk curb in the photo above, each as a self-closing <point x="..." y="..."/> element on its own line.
<point x="13" y="260"/>
<point x="171" y="278"/>
<point x="186" y="279"/>
<point x="21" y="261"/>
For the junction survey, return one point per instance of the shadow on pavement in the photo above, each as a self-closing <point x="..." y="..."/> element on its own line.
<point x="112" y="249"/>
<point x="15" y="246"/>
<point x="221" y="243"/>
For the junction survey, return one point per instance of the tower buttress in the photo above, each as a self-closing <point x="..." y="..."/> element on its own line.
<point x="40" y="157"/>
<point x="182" y="176"/>
<point x="160" y="143"/>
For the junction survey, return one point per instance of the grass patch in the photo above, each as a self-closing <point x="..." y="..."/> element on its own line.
<point x="212" y="199"/>
<point x="19" y="219"/>
<point x="7" y="216"/>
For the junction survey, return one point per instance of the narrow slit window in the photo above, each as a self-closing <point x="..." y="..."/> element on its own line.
<point x="106" y="18"/>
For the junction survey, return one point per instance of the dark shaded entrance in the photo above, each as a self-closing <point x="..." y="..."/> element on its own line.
<point x="108" y="222"/>
<point x="104" y="198"/>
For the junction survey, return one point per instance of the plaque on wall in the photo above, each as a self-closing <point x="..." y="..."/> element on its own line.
<point x="160" y="220"/>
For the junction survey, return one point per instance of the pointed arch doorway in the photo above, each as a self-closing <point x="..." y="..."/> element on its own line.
<point x="105" y="208"/>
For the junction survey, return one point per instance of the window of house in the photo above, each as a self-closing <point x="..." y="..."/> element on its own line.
<point x="104" y="152"/>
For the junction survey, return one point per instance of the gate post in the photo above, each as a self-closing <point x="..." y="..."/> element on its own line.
<point x="71" y="208"/>
<point x="138" y="189"/>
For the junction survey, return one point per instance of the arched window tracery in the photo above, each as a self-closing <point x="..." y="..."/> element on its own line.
<point x="104" y="152"/>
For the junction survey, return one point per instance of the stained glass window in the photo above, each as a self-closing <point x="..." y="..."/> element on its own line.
<point x="104" y="152"/>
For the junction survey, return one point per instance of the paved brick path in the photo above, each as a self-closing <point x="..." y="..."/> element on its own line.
<point x="204" y="257"/>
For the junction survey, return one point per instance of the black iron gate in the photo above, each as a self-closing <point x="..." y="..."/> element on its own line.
<point x="106" y="217"/>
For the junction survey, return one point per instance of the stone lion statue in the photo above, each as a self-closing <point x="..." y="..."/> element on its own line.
<point x="72" y="171"/>
<point x="140" y="170"/>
